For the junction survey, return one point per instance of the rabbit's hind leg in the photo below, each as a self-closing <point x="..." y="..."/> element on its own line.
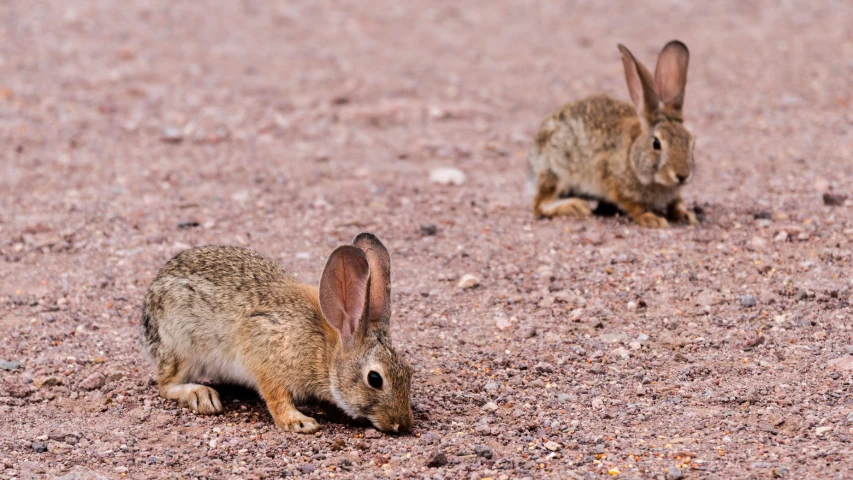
<point x="172" y="373"/>
<point x="547" y="203"/>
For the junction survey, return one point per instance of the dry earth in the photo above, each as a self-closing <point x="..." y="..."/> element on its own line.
<point x="133" y="130"/>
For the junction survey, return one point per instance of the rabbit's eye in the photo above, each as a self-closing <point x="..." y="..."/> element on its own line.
<point x="656" y="143"/>
<point x="374" y="380"/>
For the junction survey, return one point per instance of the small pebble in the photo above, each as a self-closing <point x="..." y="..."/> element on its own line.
<point x="674" y="473"/>
<point x="39" y="447"/>
<point x="483" y="451"/>
<point x="779" y="472"/>
<point x="171" y="135"/>
<point x="447" y="176"/>
<point x="490" y="406"/>
<point x="437" y="459"/>
<point x="834" y="199"/>
<point x="468" y="281"/>
<point x="93" y="382"/>
<point x="428" y="229"/>
<point x="850" y="417"/>
<point x="9" y="365"/>
<point x="748" y="301"/>
<point x="49" y="381"/>
<point x="552" y="446"/>
<point x="544" y="367"/>
<point x="307" y="468"/>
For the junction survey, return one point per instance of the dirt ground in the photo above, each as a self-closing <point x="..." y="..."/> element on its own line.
<point x="590" y="348"/>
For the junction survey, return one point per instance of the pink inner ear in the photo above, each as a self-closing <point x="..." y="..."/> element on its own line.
<point x="352" y="294"/>
<point x="343" y="290"/>
<point x="671" y="75"/>
<point x="635" y="87"/>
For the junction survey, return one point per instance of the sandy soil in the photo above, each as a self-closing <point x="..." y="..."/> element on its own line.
<point x="133" y="130"/>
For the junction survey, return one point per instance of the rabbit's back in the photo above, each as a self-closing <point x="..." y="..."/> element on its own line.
<point x="579" y="143"/>
<point x="208" y="303"/>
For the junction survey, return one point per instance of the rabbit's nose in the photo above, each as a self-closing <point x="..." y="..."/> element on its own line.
<point x="681" y="178"/>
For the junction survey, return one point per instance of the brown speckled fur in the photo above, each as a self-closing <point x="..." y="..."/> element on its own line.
<point x="230" y="314"/>
<point x="602" y="149"/>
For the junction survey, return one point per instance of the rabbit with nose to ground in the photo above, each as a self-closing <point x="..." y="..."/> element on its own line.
<point x="235" y="316"/>
<point x="635" y="157"/>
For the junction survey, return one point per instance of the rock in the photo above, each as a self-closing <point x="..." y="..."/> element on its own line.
<point x="337" y="445"/>
<point x="538" y="383"/>
<point x="850" y="417"/>
<point x="708" y="298"/>
<point x="612" y="337"/>
<point x="834" y="199"/>
<point x="552" y="446"/>
<point x="49" y="381"/>
<point x="39" y="447"/>
<point x="307" y="468"/>
<point x="502" y="322"/>
<point x="670" y="323"/>
<point x="437" y="459"/>
<point x="483" y="451"/>
<point x="782" y="236"/>
<point x="748" y="301"/>
<point x="779" y="472"/>
<point x="83" y="474"/>
<point x="468" y="281"/>
<point x="171" y="135"/>
<point x="490" y="406"/>
<point x="597" y="402"/>
<point x="447" y="176"/>
<point x="635" y="345"/>
<point x="642" y="337"/>
<point x="491" y="386"/>
<point x="9" y="365"/>
<point x="138" y="413"/>
<point x="563" y="397"/>
<point x="527" y="332"/>
<point x="372" y="434"/>
<point x="430" y="438"/>
<point x="428" y="229"/>
<point x="822" y="430"/>
<point x="758" y="340"/>
<point x="544" y="367"/>
<point x="763" y="215"/>
<point x="674" y="473"/>
<point x="93" y="382"/>
<point x="621" y="352"/>
<point x="843" y="364"/>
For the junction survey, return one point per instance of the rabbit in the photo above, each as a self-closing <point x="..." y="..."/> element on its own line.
<point x="634" y="157"/>
<point x="233" y="315"/>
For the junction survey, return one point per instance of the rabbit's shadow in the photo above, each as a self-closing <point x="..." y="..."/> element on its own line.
<point x="234" y="397"/>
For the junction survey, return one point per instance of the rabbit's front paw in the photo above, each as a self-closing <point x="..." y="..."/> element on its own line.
<point x="650" y="220"/>
<point x="679" y="213"/>
<point x="295" y="421"/>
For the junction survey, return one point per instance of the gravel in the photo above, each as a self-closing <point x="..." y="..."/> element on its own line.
<point x="748" y="301"/>
<point x="9" y="365"/>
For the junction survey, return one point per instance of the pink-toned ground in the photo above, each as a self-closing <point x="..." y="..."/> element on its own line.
<point x="133" y="130"/>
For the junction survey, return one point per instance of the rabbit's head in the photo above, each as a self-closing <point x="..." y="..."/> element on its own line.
<point x="662" y="152"/>
<point x="368" y="378"/>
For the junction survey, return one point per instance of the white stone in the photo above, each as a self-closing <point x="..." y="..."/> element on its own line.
<point x="468" y="281"/>
<point x="447" y="176"/>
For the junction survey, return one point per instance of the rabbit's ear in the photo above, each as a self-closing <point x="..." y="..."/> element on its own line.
<point x="641" y="85"/>
<point x="379" y="311"/>
<point x="343" y="291"/>
<point x="671" y="75"/>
